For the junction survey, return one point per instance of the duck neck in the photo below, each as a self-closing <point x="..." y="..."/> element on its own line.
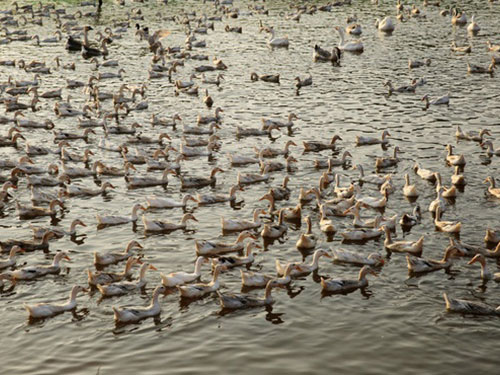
<point x="197" y="266"/>
<point x="315" y="260"/>
<point x="388" y="239"/>
<point x="216" y="275"/>
<point x="256" y="218"/>
<point x="309" y="225"/>
<point x="142" y="272"/>
<point x="134" y="213"/>
<point x="341" y="36"/>
<point x="267" y="295"/>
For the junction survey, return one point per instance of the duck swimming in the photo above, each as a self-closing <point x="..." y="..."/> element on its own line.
<point x="419" y="265"/>
<point x="165" y="226"/>
<point x="105" y="259"/>
<point x="200" y="289"/>
<point x="136" y="314"/>
<point x="356" y="46"/>
<point x="303" y="269"/>
<point x="204" y="247"/>
<point x="254" y="279"/>
<point x="469" y="307"/>
<point x="117" y="220"/>
<point x="33" y="272"/>
<point x="46" y="310"/>
<point x="233" y="301"/>
<point x="124" y="287"/>
<point x="179" y="278"/>
<point x="341" y="285"/>
<point x="104" y="278"/>
<point x="345" y="256"/>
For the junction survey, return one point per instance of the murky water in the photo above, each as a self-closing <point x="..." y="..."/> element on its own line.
<point x="398" y="324"/>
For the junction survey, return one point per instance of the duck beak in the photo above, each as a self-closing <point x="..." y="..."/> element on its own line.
<point x="67" y="258"/>
<point x="151" y="267"/>
<point x="85" y="290"/>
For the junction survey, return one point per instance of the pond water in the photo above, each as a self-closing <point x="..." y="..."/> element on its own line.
<point x="398" y="324"/>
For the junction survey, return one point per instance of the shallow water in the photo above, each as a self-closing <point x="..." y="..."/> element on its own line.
<point x="398" y="324"/>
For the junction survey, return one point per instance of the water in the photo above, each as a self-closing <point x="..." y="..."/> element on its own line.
<point x="398" y="323"/>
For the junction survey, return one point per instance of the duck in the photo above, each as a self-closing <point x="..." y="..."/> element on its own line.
<point x="303" y="82"/>
<point x="212" y="128"/>
<point x="80" y="191"/>
<point x="156" y="121"/>
<point x="104" y="278"/>
<point x="241" y="224"/>
<point x="45" y="196"/>
<point x="303" y="269"/>
<point x="124" y="315"/>
<point x="134" y="182"/>
<point x="278" y="166"/>
<point x="46" y="310"/>
<point x="11" y="260"/>
<point x="320" y="54"/>
<point x="492" y="47"/>
<point x="124" y="287"/>
<point x="233" y="301"/>
<point x="446" y="226"/>
<point x="105" y="259"/>
<point x="419" y="265"/>
<point x="386" y="25"/>
<point x="425" y="174"/>
<point x="154" y="201"/>
<point x="356" y="46"/>
<point x="117" y="220"/>
<point x="442" y="100"/>
<point x="492" y="189"/>
<point x="317" y="146"/>
<point x="458" y="18"/>
<point x="270" y="231"/>
<point x="267" y="123"/>
<point x="343" y="192"/>
<point x="326" y="225"/>
<point x="165" y="226"/>
<point x="74" y="172"/>
<point x="251" y="132"/>
<point x="252" y="178"/>
<point x="174" y="279"/>
<point x="363" y="234"/>
<point x="469" y="307"/>
<point x="489" y="148"/>
<point x="277" y="42"/>
<point x="343" y="286"/>
<point x="409" y="220"/>
<point x="33" y="272"/>
<point x="383" y="162"/>
<point x="492" y="236"/>
<point x="473" y="27"/>
<point x="409" y="190"/>
<point x="457" y="178"/>
<point x="200" y="289"/>
<point x="411" y="247"/>
<point x="401" y="89"/>
<point x="205" y="199"/>
<point x="374" y="178"/>
<point x="454" y="159"/>
<point x="38" y="232"/>
<point x="472" y="135"/>
<point x="354" y="29"/>
<point x="345" y="256"/>
<point x="281" y="192"/>
<point x="30" y="212"/>
<point x="202" y="120"/>
<point x="28" y="245"/>
<point x="372" y="202"/>
<point x="68" y="156"/>
<point x="476" y="69"/>
<point x="198" y="182"/>
<point x="461" y="49"/>
<point x="412" y="64"/>
<point x="210" y="248"/>
<point x="233" y="261"/>
<point x="308" y="240"/>
<point x="447" y="192"/>
<point x="486" y="274"/>
<point x="254" y="279"/>
<point x="365" y="140"/>
<point x="188" y="151"/>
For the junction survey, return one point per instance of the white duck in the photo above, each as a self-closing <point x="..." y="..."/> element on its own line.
<point x="469" y="307"/>
<point x="442" y="100"/>
<point x="345" y="256"/>
<point x="303" y="269"/>
<point x="231" y="261"/>
<point x="446" y="226"/>
<point x="473" y="27"/>
<point x="46" y="310"/>
<point x="277" y="42"/>
<point x="254" y="279"/>
<point x="154" y="201"/>
<point x="486" y="274"/>
<point x="119" y="289"/>
<point x="114" y="257"/>
<point x="356" y="46"/>
<point x="179" y="278"/>
<point x="201" y="289"/>
<point x="419" y="265"/>
<point x="241" y="224"/>
<point x="39" y="232"/>
<point x="84" y="191"/>
<point x="133" y="315"/>
<point x="409" y="190"/>
<point x="204" y="247"/>
<point x="386" y="25"/>
<point x="32" y="272"/>
<point x="104" y="278"/>
<point x="11" y="260"/>
<point x="166" y="226"/>
<point x="308" y="240"/>
<point x="116" y="220"/>
<point x="412" y="247"/>
<point x="233" y="301"/>
<point x="346" y="285"/>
